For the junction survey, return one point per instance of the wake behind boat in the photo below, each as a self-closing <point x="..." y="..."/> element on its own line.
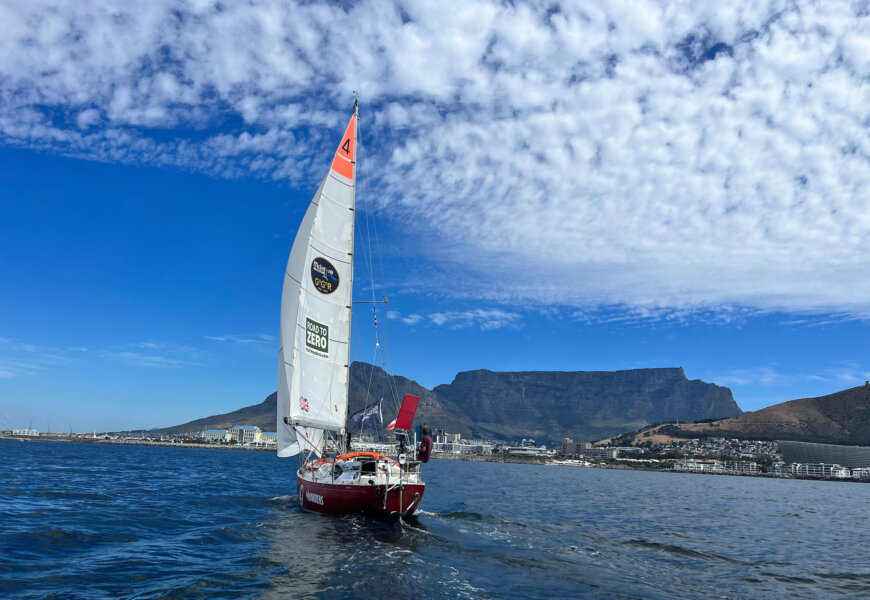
<point x="313" y="361"/>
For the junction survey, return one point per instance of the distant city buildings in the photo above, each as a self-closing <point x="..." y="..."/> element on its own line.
<point x="694" y="465"/>
<point x="724" y="448"/>
<point x="586" y="450"/>
<point x="468" y="447"/>
<point x="747" y="467"/>
<point x="739" y="457"/>
<point x="765" y="457"/>
<point x="28" y="432"/>
<point x="527" y="448"/>
<point x="698" y="466"/>
<point x="215" y="435"/>
<point x="247" y="435"/>
<point x="452" y="443"/>
<point x="829" y="471"/>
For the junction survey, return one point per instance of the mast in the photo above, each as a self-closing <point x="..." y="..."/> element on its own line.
<point x="352" y="250"/>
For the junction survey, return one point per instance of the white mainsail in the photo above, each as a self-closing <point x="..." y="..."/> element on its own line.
<point x="314" y="351"/>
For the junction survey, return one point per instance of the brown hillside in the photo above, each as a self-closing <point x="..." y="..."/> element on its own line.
<point x="839" y="418"/>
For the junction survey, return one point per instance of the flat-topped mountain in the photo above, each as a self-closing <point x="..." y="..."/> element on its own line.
<point x="584" y="405"/>
<point x="839" y="418"/>
<point x="546" y="405"/>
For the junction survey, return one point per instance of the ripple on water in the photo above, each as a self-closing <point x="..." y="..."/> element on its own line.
<point x="684" y="551"/>
<point x="84" y="521"/>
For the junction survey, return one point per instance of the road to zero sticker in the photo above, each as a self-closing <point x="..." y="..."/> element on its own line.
<point x="316" y="338"/>
<point x="324" y="275"/>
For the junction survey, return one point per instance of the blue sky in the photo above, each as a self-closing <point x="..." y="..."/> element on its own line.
<point x="594" y="188"/>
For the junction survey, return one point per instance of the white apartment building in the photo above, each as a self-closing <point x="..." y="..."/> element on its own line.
<point x="29" y="432"/>
<point x="245" y="434"/>
<point x="463" y="447"/>
<point x="817" y="470"/>
<point x="698" y="466"/>
<point x="744" y="466"/>
<point x="215" y="435"/>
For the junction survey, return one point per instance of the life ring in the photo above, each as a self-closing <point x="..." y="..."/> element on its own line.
<point x="374" y="455"/>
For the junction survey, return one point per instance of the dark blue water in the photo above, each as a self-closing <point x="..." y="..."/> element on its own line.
<point x="93" y="521"/>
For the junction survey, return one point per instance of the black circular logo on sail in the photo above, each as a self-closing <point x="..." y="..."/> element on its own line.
<point x="324" y="275"/>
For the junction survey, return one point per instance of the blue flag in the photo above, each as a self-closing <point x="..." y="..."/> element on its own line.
<point x="369" y="417"/>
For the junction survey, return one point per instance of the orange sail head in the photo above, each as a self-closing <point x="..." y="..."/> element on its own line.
<point x="345" y="156"/>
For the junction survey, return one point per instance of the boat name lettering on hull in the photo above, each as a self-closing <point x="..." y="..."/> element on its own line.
<point x="314" y="498"/>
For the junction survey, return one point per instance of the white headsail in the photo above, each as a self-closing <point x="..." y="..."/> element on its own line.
<point x="314" y="349"/>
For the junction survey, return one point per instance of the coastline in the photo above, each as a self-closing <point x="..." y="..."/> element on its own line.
<point x="67" y="439"/>
<point x="435" y="456"/>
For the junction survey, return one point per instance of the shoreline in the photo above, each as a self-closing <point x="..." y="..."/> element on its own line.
<point x="435" y="456"/>
<point x="68" y="440"/>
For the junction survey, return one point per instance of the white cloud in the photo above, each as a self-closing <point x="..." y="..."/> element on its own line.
<point x="20" y="359"/>
<point x="12" y="344"/>
<point x="88" y="117"/>
<point x="411" y="319"/>
<point x="758" y="376"/>
<point x="18" y="368"/>
<point x="155" y="354"/>
<point x="260" y="338"/>
<point x="847" y="372"/>
<point x="140" y="359"/>
<point x="485" y="319"/>
<point x="647" y="156"/>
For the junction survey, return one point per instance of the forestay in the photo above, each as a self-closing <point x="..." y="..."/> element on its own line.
<point x="316" y="314"/>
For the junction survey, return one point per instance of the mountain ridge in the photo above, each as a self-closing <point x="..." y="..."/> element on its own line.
<point x="508" y="405"/>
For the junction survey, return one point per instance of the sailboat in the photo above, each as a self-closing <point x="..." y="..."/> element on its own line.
<point x="313" y="361"/>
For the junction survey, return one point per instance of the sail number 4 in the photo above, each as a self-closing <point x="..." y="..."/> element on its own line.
<point x="316" y="338"/>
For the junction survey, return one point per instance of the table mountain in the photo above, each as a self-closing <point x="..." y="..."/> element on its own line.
<point x="546" y="405"/>
<point x="584" y="405"/>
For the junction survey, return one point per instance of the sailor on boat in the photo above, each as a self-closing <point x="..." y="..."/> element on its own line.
<point x="425" y="448"/>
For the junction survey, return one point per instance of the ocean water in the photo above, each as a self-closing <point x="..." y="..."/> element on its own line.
<point x="95" y="521"/>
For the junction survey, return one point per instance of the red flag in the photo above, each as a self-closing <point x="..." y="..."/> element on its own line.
<point x="406" y="413"/>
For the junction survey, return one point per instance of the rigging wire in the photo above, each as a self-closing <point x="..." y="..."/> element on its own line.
<point x="369" y="222"/>
<point x="368" y="262"/>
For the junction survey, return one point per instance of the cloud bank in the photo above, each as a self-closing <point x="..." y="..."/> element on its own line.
<point x="654" y="156"/>
<point x="484" y="319"/>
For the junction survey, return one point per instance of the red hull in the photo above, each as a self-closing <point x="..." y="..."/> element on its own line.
<point x="335" y="498"/>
